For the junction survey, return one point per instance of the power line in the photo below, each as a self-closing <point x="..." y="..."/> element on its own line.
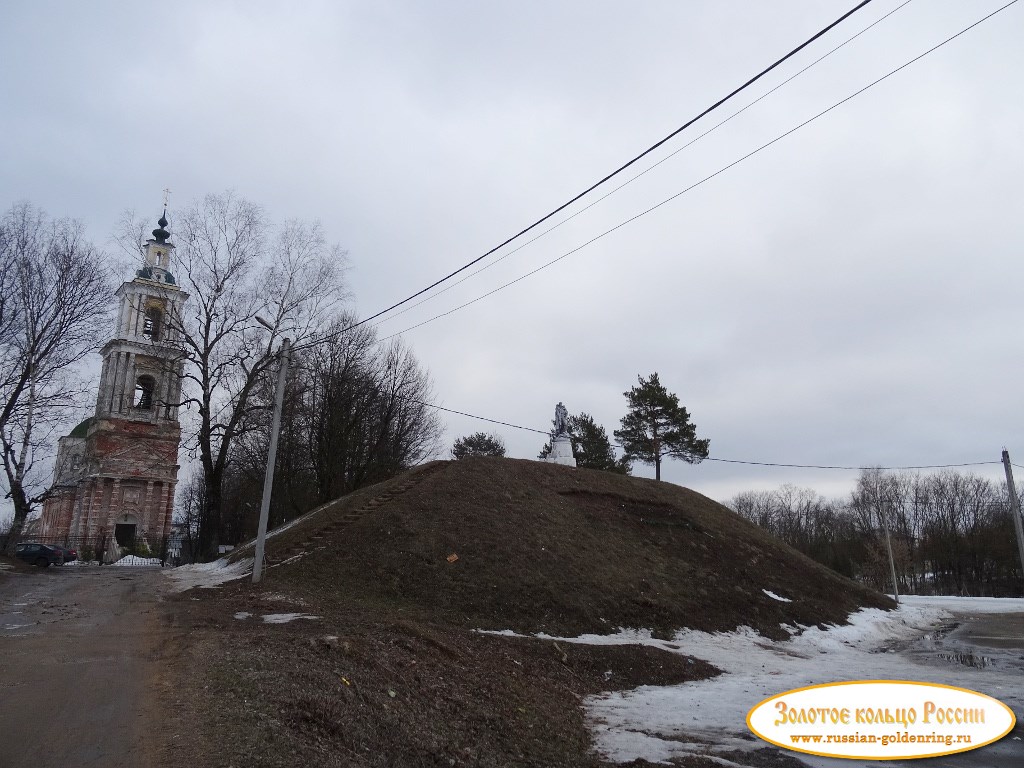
<point x="646" y="170"/>
<point x="715" y="458"/>
<point x="696" y="184"/>
<point x="617" y="171"/>
<point x="828" y="466"/>
<point x="473" y="416"/>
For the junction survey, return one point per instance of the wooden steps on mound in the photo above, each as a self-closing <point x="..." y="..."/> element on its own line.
<point x="352" y="516"/>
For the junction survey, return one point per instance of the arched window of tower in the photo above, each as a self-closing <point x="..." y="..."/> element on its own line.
<point x="151" y="323"/>
<point x="144" y="387"/>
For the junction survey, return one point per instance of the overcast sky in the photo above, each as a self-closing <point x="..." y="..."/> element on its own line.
<point x="851" y="295"/>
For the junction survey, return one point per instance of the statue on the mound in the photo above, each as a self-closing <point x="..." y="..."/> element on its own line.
<point x="561" y="420"/>
<point x="560" y="448"/>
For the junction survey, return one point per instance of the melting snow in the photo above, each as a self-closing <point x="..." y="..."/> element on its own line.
<point x="656" y="722"/>
<point x="773" y="596"/>
<point x="208" y="575"/>
<point x="284" y="618"/>
<point x="644" y="722"/>
<point x="135" y="560"/>
<point x="243" y="615"/>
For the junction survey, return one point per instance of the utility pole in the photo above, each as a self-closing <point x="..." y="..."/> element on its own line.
<point x="268" y="480"/>
<point x="1014" y="507"/>
<point x="885" y="507"/>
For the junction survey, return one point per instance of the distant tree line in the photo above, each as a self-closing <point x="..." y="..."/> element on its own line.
<point x="951" y="532"/>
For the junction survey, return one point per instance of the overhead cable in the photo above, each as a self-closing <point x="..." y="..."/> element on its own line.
<point x="715" y="458"/>
<point x="617" y="171"/>
<point x="696" y="184"/>
<point x="647" y="170"/>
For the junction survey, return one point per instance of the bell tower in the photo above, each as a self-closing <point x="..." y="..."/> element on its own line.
<point x="116" y="472"/>
<point x="141" y="378"/>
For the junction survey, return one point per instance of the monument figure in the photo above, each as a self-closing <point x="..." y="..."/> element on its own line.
<point x="561" y="420"/>
<point x="561" y="443"/>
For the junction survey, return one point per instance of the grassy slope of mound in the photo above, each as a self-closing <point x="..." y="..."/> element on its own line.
<point x="547" y="548"/>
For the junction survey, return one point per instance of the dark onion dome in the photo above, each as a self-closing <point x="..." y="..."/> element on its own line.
<point x="82" y="429"/>
<point x="161" y="234"/>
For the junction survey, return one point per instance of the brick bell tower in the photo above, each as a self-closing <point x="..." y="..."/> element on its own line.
<point x="115" y="473"/>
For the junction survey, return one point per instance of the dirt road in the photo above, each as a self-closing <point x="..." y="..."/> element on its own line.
<point x="79" y="651"/>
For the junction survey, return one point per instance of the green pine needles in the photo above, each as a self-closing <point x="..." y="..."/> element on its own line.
<point x="657" y="426"/>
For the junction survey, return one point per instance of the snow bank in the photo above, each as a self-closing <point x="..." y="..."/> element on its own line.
<point x="208" y="575"/>
<point x="658" y="723"/>
<point x="134" y="560"/>
<point x="968" y="605"/>
<point x="648" y="721"/>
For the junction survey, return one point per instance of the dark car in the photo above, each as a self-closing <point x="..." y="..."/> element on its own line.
<point x="70" y="555"/>
<point x="42" y="555"/>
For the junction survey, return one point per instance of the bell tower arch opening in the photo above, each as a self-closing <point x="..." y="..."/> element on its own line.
<point x="152" y="322"/>
<point x="144" y="386"/>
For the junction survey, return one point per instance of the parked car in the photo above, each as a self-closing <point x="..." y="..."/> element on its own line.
<point x="70" y="555"/>
<point x="42" y="555"/>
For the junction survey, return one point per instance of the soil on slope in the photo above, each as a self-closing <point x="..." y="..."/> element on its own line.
<point x="545" y="548"/>
<point x="392" y="673"/>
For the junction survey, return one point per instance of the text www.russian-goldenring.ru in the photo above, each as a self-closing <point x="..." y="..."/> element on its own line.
<point x="948" y="739"/>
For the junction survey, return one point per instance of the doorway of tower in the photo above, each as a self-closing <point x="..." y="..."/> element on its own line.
<point x="124" y="532"/>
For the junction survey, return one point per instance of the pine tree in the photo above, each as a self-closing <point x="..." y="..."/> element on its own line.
<point x="591" y="446"/>
<point x="478" y="444"/>
<point x="658" y="426"/>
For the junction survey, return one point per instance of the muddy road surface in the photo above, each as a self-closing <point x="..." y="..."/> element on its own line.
<point x="80" y="666"/>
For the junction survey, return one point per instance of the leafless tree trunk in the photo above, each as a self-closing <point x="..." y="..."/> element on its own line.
<point x="236" y="266"/>
<point x="54" y="298"/>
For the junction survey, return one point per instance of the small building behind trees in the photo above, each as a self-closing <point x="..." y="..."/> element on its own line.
<point x="115" y="473"/>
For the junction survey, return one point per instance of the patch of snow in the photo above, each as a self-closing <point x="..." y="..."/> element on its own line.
<point x="773" y="596"/>
<point x="649" y="722"/>
<point x="208" y="575"/>
<point x="642" y="723"/>
<point x="134" y="560"/>
<point x="82" y="563"/>
<point x="284" y="618"/>
<point x="278" y="597"/>
<point x="969" y="605"/>
<point x="243" y="615"/>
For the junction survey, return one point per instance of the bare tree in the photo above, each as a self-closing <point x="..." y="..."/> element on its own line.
<point x="237" y="267"/>
<point x="54" y="297"/>
<point x="354" y="414"/>
<point x="357" y="415"/>
<point x="190" y="511"/>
